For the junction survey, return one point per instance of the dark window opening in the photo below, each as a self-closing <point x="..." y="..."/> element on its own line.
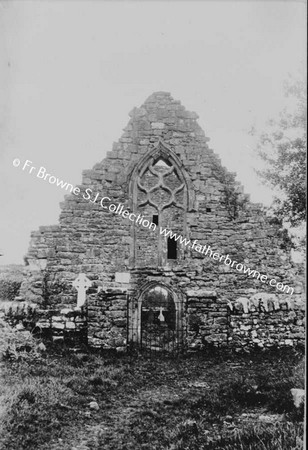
<point x="171" y="249"/>
<point x="208" y="210"/>
<point x="155" y="219"/>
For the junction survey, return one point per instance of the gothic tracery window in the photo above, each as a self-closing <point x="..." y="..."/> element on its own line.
<point x="160" y="195"/>
<point x="160" y="186"/>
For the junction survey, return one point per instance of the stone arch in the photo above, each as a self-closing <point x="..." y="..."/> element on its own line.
<point x="136" y="311"/>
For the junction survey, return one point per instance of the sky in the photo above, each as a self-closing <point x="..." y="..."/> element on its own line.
<point x="71" y="71"/>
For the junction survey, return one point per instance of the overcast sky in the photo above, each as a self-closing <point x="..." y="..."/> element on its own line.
<point x="72" y="70"/>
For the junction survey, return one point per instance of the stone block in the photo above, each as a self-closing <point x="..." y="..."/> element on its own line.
<point x="201" y="293"/>
<point x="120" y="322"/>
<point x="58" y="326"/>
<point x="122" y="277"/>
<point x="66" y="311"/>
<point x="157" y="125"/>
<point x="57" y="319"/>
<point x="245" y="327"/>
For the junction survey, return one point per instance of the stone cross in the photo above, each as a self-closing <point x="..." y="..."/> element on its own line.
<point x="82" y="283"/>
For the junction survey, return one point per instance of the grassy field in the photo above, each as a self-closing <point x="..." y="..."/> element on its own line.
<point x="193" y="402"/>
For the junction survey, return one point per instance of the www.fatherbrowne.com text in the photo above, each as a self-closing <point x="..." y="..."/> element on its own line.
<point x="98" y="198"/>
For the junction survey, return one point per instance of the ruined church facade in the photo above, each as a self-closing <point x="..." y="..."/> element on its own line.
<point x="139" y="284"/>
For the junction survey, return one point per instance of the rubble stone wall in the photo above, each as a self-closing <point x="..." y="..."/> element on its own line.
<point x="212" y="209"/>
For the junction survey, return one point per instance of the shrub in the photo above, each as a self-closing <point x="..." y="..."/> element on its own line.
<point x="16" y="344"/>
<point x="11" y="277"/>
<point x="9" y="289"/>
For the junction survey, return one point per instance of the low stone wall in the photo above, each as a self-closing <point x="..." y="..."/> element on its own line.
<point x="266" y="328"/>
<point x="207" y="319"/>
<point x="65" y="324"/>
<point x="103" y="323"/>
<point x="107" y="319"/>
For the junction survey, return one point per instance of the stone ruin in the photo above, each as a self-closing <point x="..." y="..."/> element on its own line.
<point x="106" y="273"/>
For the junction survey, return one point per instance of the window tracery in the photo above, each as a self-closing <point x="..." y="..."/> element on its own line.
<point x="162" y="188"/>
<point x="159" y="187"/>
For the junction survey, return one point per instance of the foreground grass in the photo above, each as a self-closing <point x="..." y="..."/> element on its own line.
<point x="196" y="402"/>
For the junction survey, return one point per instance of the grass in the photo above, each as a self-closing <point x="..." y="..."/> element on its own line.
<point x="195" y="402"/>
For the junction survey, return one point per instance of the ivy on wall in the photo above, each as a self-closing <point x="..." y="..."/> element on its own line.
<point x="235" y="201"/>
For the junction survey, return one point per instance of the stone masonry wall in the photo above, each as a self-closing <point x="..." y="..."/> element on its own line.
<point x="91" y="239"/>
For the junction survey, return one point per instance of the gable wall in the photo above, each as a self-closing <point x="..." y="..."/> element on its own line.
<point x="92" y="240"/>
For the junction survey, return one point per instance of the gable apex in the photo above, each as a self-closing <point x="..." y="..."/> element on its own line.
<point x="165" y="101"/>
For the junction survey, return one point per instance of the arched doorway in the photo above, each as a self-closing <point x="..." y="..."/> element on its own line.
<point x="156" y="319"/>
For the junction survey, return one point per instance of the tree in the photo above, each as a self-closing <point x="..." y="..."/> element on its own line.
<point x="283" y="149"/>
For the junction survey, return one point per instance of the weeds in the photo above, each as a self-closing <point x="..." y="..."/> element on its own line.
<point x="36" y="411"/>
<point x="281" y="436"/>
<point x="150" y="404"/>
<point x="16" y="344"/>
